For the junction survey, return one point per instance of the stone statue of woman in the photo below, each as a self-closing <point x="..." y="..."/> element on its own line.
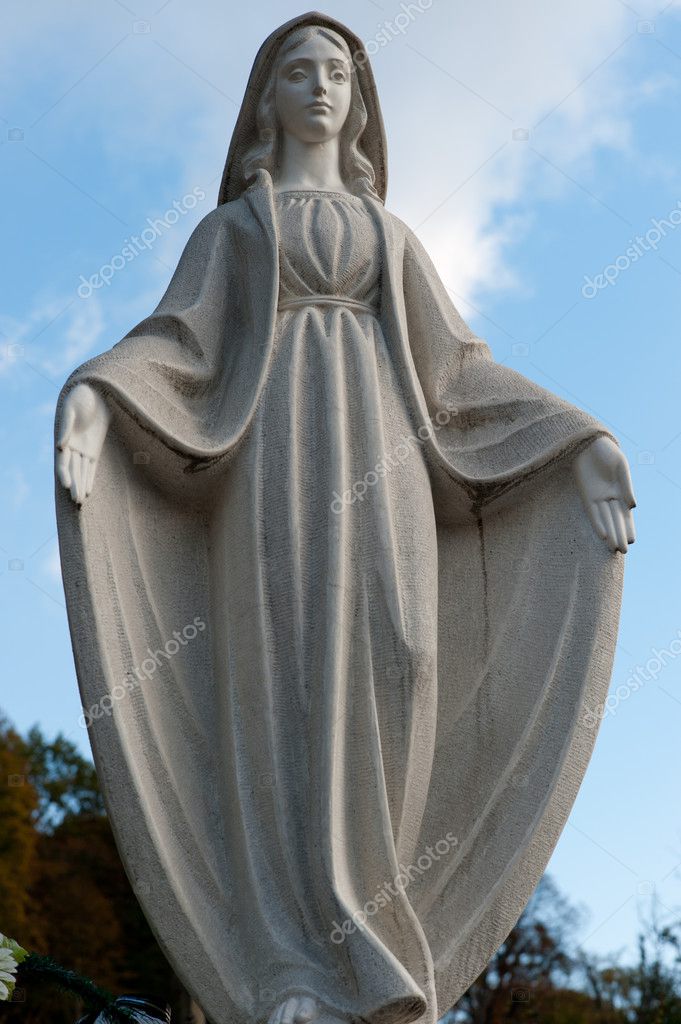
<point x="344" y="592"/>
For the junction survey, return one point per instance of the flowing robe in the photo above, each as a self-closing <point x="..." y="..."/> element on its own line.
<point x="527" y="608"/>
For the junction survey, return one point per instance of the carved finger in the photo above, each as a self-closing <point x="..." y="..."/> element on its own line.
<point x="280" y="1012"/>
<point x="617" y="512"/>
<point x="77" y="478"/>
<point x="307" y="1010"/>
<point x="624" y="477"/>
<point x="68" y="419"/>
<point x="629" y="526"/>
<point x="90" y="476"/>
<point x="597" y="520"/>
<point x="610" y="532"/>
<point x="82" y="478"/>
<point x="63" y="459"/>
<point x="74" y="466"/>
<point x="289" y="1013"/>
<point x="84" y="472"/>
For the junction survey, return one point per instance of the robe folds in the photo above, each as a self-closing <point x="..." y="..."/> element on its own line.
<point x="527" y="612"/>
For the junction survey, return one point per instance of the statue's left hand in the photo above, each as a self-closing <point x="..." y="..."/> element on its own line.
<point x="604" y="483"/>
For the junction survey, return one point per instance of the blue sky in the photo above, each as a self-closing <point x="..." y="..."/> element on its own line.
<point x="530" y="145"/>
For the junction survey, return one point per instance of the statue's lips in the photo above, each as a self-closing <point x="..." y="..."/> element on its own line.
<point x="319" y="107"/>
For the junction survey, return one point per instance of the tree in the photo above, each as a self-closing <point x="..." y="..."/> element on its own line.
<point x="63" y="890"/>
<point x="539" y="977"/>
<point x="532" y="962"/>
<point x="650" y="991"/>
<point x="65" y="782"/>
<point x="18" y="839"/>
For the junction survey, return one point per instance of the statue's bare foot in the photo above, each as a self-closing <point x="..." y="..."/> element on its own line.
<point x="300" y="1009"/>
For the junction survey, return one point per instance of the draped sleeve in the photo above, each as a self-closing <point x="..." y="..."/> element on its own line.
<point x="136" y="566"/>
<point x="493" y="428"/>
<point x="188" y="376"/>
<point x="528" y="606"/>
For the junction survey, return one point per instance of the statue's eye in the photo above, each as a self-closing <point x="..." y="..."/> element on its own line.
<point x="339" y="76"/>
<point x="297" y="75"/>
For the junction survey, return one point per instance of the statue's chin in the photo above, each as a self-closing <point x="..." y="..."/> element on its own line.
<point x="316" y="128"/>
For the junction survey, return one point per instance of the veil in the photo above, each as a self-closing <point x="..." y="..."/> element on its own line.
<point x="245" y="130"/>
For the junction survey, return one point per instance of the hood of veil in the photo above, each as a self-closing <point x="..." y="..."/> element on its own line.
<point x="371" y="142"/>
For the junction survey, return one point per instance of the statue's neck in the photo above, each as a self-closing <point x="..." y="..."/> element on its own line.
<point x="309" y="165"/>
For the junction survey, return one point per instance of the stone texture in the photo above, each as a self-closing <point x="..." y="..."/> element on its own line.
<point x="338" y="728"/>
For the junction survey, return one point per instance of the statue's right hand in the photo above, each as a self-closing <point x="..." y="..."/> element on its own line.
<point x="84" y="422"/>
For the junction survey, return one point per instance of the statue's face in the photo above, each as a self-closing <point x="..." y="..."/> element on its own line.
<point x="313" y="90"/>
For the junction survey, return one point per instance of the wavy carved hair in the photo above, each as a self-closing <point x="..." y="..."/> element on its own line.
<point x="356" y="169"/>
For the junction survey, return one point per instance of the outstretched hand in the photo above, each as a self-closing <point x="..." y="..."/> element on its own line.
<point x="604" y="483"/>
<point x="84" y="422"/>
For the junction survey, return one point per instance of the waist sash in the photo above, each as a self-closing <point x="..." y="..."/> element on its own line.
<point x="299" y="301"/>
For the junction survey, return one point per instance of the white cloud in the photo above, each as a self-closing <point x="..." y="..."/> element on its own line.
<point x="52" y="564"/>
<point x="17" y="488"/>
<point x="79" y="337"/>
<point x="455" y="86"/>
<point x="54" y="336"/>
<point x="566" y="73"/>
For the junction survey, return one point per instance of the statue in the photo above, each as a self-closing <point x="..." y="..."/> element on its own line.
<point x="342" y="590"/>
